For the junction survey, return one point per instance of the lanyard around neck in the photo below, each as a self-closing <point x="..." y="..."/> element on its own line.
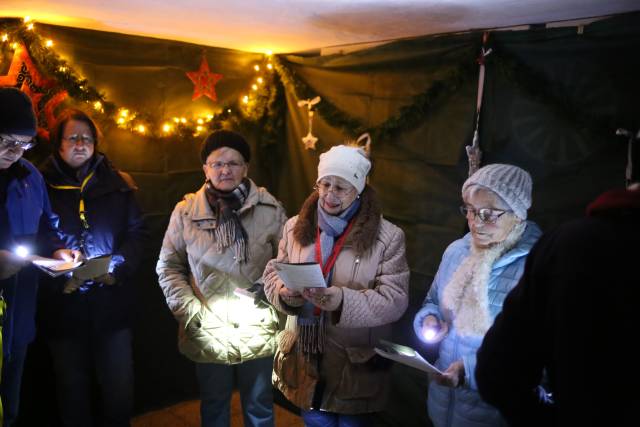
<point x="81" y="187"/>
<point x="326" y="268"/>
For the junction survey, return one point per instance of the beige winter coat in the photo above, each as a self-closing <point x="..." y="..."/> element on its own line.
<point x="199" y="282"/>
<point x="373" y="272"/>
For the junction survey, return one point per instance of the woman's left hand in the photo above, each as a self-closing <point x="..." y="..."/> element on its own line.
<point x="453" y="377"/>
<point x="327" y="299"/>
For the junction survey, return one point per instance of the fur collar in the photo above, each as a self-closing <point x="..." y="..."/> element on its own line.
<point x="465" y="298"/>
<point x="365" y="229"/>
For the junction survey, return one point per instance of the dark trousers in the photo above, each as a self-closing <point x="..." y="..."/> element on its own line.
<point x="12" y="367"/>
<point x="77" y="362"/>
<point x="256" y="394"/>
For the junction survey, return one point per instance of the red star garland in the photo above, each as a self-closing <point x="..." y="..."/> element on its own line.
<point x="204" y="81"/>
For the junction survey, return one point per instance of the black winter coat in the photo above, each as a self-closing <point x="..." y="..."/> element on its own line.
<point x="115" y="227"/>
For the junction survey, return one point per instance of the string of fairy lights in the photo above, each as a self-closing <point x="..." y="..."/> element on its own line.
<point x="250" y="105"/>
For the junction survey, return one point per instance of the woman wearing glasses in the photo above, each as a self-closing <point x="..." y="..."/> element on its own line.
<point x="87" y="318"/>
<point x="474" y="277"/>
<point x="219" y="240"/>
<point x="325" y="363"/>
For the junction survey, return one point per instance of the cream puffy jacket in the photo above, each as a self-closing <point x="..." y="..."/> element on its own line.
<point x="199" y="282"/>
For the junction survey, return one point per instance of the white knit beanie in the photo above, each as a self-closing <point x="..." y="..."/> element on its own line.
<point x="511" y="183"/>
<point x="349" y="163"/>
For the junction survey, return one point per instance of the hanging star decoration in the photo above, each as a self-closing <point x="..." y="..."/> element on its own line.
<point x="309" y="140"/>
<point x="204" y="81"/>
<point x="43" y="91"/>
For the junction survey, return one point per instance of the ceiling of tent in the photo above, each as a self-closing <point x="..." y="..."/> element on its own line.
<point x="298" y="25"/>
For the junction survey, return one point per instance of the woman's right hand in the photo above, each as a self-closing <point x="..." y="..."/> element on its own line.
<point x="291" y="298"/>
<point x="433" y="330"/>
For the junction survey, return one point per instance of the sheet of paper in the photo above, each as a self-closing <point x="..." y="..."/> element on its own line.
<point x="54" y="267"/>
<point x="405" y="355"/>
<point x="93" y="268"/>
<point x="299" y="276"/>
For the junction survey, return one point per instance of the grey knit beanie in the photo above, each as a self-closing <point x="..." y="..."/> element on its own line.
<point x="511" y="183"/>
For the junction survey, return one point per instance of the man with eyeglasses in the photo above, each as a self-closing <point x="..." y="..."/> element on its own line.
<point x="87" y="321"/>
<point x="218" y="241"/>
<point x="26" y="221"/>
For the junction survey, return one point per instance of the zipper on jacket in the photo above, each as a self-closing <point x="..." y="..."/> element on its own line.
<point x="354" y="270"/>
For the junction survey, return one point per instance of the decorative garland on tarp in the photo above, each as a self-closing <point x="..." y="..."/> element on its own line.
<point x="36" y="58"/>
<point x="407" y="118"/>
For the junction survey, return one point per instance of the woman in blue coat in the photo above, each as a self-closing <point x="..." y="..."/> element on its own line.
<point x="87" y="323"/>
<point x="474" y="277"/>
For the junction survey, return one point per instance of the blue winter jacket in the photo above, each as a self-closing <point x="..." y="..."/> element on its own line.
<point x="463" y="407"/>
<point x="27" y="219"/>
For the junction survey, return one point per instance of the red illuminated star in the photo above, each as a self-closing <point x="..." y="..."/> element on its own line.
<point x="204" y="81"/>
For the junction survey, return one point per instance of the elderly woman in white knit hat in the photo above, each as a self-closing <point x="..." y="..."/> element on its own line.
<point x="325" y="363"/>
<point x="474" y="277"/>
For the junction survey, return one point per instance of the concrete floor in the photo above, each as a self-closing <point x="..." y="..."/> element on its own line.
<point x="187" y="414"/>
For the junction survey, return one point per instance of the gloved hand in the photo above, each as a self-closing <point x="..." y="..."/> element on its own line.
<point x="72" y="285"/>
<point x="327" y="299"/>
<point x="107" y="279"/>
<point x="10" y="264"/>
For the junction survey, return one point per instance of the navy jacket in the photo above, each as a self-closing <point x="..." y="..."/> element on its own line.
<point x="115" y="227"/>
<point x="25" y="219"/>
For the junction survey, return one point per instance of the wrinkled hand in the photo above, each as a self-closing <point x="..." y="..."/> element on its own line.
<point x="431" y="324"/>
<point x="453" y="377"/>
<point x="328" y="299"/>
<point x="10" y="264"/>
<point x="291" y="298"/>
<point x="68" y="255"/>
<point x="107" y="279"/>
<point x="72" y="285"/>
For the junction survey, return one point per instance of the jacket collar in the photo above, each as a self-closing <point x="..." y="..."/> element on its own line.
<point x="364" y="233"/>
<point x="529" y="237"/>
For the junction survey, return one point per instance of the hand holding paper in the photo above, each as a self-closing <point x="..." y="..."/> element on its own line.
<point x="297" y="277"/>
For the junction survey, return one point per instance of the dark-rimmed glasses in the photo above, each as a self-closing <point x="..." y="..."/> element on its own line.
<point x="6" y="143"/>
<point x="74" y="138"/>
<point x="486" y="215"/>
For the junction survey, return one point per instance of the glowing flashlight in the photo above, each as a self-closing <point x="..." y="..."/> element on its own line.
<point x="21" y="251"/>
<point x="430" y="333"/>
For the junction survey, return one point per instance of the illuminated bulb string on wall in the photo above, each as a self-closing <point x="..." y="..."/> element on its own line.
<point x="60" y="79"/>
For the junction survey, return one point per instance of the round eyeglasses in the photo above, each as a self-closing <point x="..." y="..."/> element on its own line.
<point x="486" y="215"/>
<point x="8" y="143"/>
<point x="337" y="190"/>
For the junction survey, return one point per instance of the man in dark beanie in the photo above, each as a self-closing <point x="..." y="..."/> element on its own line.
<point x="218" y="241"/>
<point x="26" y="221"/>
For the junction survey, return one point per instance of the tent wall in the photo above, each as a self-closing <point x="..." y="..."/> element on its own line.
<point x="553" y="100"/>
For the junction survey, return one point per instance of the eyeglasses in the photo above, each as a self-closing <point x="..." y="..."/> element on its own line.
<point x="74" y="138"/>
<point x="218" y="166"/>
<point x="486" y="215"/>
<point x="338" y="190"/>
<point x="7" y="143"/>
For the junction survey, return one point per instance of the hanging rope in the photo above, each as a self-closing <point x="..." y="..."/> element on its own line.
<point x="474" y="154"/>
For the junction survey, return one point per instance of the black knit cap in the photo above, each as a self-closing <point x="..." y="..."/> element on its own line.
<point x="16" y="113"/>
<point x="225" y="138"/>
